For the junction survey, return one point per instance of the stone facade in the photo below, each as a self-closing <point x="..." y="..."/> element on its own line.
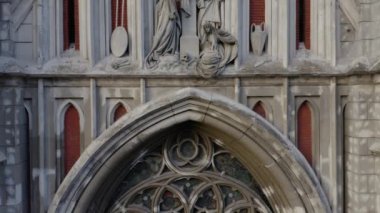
<point x="338" y="77"/>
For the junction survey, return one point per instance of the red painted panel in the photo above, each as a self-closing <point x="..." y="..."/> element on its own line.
<point x="119" y="12"/>
<point x="307" y="21"/>
<point x="119" y="112"/>
<point x="257" y="11"/>
<point x="66" y="34"/>
<point x="259" y="109"/>
<point x="304" y="132"/>
<point x="76" y="24"/>
<point x="298" y="23"/>
<point x="71" y="138"/>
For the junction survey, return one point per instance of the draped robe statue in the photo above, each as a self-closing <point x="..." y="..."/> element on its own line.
<point x="219" y="48"/>
<point x="167" y="35"/>
<point x="209" y="12"/>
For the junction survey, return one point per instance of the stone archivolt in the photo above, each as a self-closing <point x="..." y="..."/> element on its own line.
<point x="191" y="154"/>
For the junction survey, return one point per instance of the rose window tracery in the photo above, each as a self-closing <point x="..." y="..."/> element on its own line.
<point x="189" y="172"/>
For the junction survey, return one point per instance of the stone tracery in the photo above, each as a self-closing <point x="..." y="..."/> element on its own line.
<point x="190" y="172"/>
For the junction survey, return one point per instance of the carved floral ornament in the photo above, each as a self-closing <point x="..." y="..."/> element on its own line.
<point x="189" y="172"/>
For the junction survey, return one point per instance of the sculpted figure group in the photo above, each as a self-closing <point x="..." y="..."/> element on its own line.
<point x="217" y="47"/>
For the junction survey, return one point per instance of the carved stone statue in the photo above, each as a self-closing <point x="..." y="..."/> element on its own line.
<point x="218" y="49"/>
<point x="168" y="30"/>
<point x="209" y="12"/>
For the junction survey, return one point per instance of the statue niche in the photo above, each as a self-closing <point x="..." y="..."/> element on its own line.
<point x="197" y="27"/>
<point x="168" y="31"/>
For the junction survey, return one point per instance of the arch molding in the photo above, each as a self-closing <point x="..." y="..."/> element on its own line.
<point x="287" y="181"/>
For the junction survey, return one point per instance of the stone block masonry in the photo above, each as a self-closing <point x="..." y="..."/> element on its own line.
<point x="13" y="145"/>
<point x="362" y="125"/>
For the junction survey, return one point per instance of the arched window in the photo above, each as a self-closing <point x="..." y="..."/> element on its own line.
<point x="29" y="160"/>
<point x="71" y="24"/>
<point x="303" y="23"/>
<point x="256" y="11"/>
<point x="305" y="131"/>
<point x="119" y="13"/>
<point x="119" y="112"/>
<point x="260" y="109"/>
<point x="344" y="163"/>
<point x="71" y="138"/>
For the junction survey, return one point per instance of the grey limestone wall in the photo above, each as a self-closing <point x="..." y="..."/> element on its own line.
<point x="17" y="30"/>
<point x="14" y="193"/>
<point x="362" y="132"/>
<point x="96" y="97"/>
<point x="5" y="39"/>
<point x="346" y="110"/>
<point x="369" y="30"/>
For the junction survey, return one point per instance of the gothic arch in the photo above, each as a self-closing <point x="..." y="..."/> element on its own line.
<point x="60" y="135"/>
<point x="111" y="111"/>
<point x="280" y="170"/>
<point x="29" y="114"/>
<point x="305" y="141"/>
<point x="315" y="128"/>
<point x="29" y="127"/>
<point x="267" y="107"/>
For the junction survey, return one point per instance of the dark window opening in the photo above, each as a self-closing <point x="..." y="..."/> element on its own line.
<point x="71" y="24"/>
<point x="303" y="23"/>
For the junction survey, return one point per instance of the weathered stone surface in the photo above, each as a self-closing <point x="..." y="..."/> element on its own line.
<point x="220" y="113"/>
<point x="339" y="70"/>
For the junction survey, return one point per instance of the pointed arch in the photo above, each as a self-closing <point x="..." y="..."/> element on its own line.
<point x="119" y="112"/>
<point x="70" y="126"/>
<point x="28" y="126"/>
<point x="259" y="108"/>
<point x="344" y="159"/>
<point x="305" y="131"/>
<point x="71" y="138"/>
<point x="116" y="111"/>
<point x="272" y="159"/>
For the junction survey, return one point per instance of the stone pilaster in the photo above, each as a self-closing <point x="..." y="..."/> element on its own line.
<point x="13" y="145"/>
<point x="361" y="132"/>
